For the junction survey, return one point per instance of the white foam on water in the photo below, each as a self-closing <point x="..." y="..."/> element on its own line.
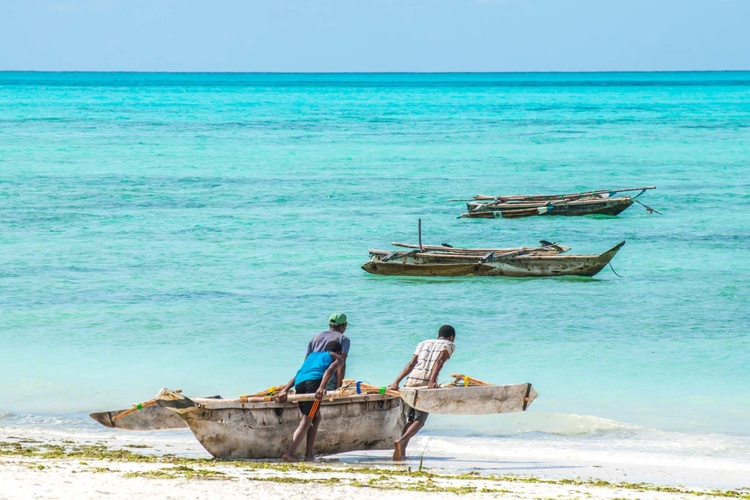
<point x="553" y="446"/>
<point x="82" y="430"/>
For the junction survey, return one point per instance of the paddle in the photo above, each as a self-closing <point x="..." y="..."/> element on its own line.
<point x="139" y="406"/>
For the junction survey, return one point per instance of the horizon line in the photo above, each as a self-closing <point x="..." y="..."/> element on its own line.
<point x="377" y="72"/>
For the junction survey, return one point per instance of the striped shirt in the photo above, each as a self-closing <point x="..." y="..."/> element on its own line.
<point x="427" y="353"/>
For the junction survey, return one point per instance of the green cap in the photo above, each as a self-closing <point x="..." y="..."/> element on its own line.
<point x="337" y="319"/>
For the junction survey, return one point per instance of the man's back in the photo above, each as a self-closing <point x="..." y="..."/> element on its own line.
<point x="427" y="353"/>
<point x="318" y="342"/>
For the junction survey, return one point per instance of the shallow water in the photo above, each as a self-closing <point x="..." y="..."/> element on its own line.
<point x="194" y="231"/>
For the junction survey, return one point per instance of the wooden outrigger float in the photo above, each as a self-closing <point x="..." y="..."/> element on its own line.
<point x="469" y="396"/>
<point x="146" y="418"/>
<point x="356" y="417"/>
<point x="602" y="202"/>
<point x="522" y="262"/>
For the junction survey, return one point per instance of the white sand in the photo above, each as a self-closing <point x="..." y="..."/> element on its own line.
<point x="37" y="477"/>
<point x="40" y="478"/>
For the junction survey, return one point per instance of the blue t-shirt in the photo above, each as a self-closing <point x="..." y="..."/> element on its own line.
<point x="318" y="344"/>
<point x="315" y="365"/>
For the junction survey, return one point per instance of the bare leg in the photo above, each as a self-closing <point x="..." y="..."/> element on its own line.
<point x="312" y="432"/>
<point x="297" y="437"/>
<point x="410" y="431"/>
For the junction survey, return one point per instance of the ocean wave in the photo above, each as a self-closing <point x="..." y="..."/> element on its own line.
<point x="550" y="424"/>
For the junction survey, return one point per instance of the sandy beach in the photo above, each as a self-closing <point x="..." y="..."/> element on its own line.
<point x="53" y="466"/>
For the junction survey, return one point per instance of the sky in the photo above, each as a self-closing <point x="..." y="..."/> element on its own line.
<point x="374" y="35"/>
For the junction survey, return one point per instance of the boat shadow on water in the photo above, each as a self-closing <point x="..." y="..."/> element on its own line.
<point x="437" y="280"/>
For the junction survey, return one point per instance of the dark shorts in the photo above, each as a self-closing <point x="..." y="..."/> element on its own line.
<point x="308" y="408"/>
<point x="414" y="415"/>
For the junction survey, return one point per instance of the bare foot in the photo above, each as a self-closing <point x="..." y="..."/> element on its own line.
<point x="398" y="453"/>
<point x="289" y="458"/>
<point x="309" y="459"/>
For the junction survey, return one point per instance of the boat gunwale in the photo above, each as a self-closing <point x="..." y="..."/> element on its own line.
<point x="478" y="206"/>
<point x="562" y="196"/>
<point x="523" y="257"/>
<point x="230" y="404"/>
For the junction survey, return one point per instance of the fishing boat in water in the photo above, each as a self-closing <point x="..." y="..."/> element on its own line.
<point x="547" y="260"/>
<point x="602" y="202"/>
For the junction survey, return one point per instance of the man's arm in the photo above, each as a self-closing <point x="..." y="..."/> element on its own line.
<point x="345" y="343"/>
<point x="444" y="356"/>
<point x="282" y="395"/>
<point x="341" y="371"/>
<point x="333" y="368"/>
<point x="407" y="369"/>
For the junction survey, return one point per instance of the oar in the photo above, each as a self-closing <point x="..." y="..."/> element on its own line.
<point x="268" y="392"/>
<point x="361" y="387"/>
<point x="466" y="380"/>
<point x="349" y="388"/>
<point x="136" y="407"/>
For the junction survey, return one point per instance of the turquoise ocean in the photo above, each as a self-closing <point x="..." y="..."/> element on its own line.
<point x="194" y="231"/>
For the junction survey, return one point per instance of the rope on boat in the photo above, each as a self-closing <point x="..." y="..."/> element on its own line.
<point x="271" y="391"/>
<point x="613" y="269"/>
<point x="650" y="210"/>
<point x="464" y="380"/>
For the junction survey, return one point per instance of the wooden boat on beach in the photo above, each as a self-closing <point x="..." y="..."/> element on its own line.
<point x="602" y="202"/>
<point x="356" y="417"/>
<point x="521" y="262"/>
<point x="261" y="429"/>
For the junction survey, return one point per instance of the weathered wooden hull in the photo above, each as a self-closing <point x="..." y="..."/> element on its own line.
<point x="150" y="418"/>
<point x="520" y="266"/>
<point x="611" y="207"/>
<point x="233" y="430"/>
<point x="472" y="400"/>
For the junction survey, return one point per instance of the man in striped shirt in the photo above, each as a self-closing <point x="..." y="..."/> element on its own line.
<point x="423" y="370"/>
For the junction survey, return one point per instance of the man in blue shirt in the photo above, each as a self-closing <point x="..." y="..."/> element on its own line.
<point x="312" y="377"/>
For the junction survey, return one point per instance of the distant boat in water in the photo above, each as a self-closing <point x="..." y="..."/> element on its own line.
<point x="603" y="202"/>
<point x="426" y="260"/>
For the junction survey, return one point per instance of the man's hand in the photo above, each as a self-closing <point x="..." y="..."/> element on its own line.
<point x="393" y="386"/>
<point x="319" y="393"/>
<point x="281" y="396"/>
<point x="432" y="385"/>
